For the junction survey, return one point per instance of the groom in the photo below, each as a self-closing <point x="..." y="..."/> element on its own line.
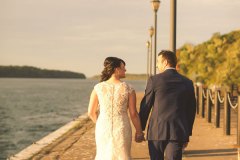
<point x="172" y="100"/>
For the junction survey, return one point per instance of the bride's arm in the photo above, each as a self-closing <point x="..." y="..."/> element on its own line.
<point x="134" y="114"/>
<point x="92" y="107"/>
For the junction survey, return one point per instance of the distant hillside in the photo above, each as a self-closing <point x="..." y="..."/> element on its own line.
<point x="216" y="61"/>
<point x="128" y="77"/>
<point x="33" y="72"/>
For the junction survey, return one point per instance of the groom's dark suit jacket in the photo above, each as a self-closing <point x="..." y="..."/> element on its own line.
<point x="172" y="100"/>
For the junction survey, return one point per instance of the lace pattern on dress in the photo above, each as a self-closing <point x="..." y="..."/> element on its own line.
<point x="113" y="129"/>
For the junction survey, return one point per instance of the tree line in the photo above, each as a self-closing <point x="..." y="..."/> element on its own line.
<point x="33" y="72"/>
<point x="216" y="61"/>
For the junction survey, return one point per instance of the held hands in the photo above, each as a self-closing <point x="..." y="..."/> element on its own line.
<point x="139" y="137"/>
<point x="185" y="145"/>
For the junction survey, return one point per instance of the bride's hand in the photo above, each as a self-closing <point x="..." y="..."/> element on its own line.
<point x="139" y="137"/>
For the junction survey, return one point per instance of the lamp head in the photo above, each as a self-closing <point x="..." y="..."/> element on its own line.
<point x="151" y="31"/>
<point x="148" y="44"/>
<point x="155" y="5"/>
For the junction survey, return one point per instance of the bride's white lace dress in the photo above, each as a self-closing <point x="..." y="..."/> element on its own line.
<point x="113" y="130"/>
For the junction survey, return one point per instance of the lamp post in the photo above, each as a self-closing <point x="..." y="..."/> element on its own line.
<point x="148" y="67"/>
<point x="151" y="33"/>
<point x="173" y="11"/>
<point x="155" y="5"/>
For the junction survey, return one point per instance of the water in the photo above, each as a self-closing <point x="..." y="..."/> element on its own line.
<point x="32" y="108"/>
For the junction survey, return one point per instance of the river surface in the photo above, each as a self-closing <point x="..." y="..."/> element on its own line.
<point x="32" y="108"/>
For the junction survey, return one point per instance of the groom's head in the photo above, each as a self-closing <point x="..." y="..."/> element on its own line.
<point x="166" y="59"/>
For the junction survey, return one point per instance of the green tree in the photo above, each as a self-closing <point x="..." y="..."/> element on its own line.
<point x="215" y="61"/>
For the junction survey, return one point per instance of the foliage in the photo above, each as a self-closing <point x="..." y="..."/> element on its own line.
<point x="215" y="61"/>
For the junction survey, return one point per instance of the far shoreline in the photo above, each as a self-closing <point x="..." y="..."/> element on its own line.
<point x="130" y="76"/>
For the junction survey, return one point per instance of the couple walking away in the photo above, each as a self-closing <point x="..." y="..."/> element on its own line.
<point x="169" y="97"/>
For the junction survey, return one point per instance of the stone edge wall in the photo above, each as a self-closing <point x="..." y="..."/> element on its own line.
<point x="38" y="146"/>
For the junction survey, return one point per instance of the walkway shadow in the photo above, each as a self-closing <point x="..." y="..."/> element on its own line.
<point x="210" y="153"/>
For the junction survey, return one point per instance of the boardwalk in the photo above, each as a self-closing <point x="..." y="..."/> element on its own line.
<point x="207" y="143"/>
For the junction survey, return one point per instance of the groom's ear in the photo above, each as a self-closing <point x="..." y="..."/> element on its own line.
<point x="165" y="63"/>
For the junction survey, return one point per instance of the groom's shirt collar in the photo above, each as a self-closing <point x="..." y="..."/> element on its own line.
<point x="170" y="68"/>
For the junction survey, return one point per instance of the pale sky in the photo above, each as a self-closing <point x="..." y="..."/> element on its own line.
<point x="77" y="35"/>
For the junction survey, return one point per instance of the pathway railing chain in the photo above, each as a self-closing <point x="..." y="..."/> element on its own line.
<point x="204" y="94"/>
<point x="209" y="100"/>
<point x="210" y="95"/>
<point x="230" y="103"/>
<point x="219" y="98"/>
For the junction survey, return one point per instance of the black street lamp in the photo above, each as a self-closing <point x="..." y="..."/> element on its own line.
<point x="155" y="5"/>
<point x="148" y="57"/>
<point x="151" y="33"/>
<point x="173" y="24"/>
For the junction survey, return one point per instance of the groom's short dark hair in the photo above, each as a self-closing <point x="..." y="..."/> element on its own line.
<point x="170" y="57"/>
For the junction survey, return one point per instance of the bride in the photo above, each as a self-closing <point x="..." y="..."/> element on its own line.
<point x="114" y="98"/>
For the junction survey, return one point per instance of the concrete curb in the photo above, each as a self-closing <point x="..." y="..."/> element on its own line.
<point x="38" y="146"/>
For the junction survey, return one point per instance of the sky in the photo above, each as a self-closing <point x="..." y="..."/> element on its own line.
<point x="77" y="35"/>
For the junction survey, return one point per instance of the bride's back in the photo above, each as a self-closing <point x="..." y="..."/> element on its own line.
<point x="113" y="129"/>
<point x="113" y="98"/>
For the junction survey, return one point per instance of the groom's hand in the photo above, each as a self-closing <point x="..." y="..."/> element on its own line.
<point x="139" y="137"/>
<point x="185" y="145"/>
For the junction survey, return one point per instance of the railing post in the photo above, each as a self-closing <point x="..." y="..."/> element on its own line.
<point x="217" y="109"/>
<point x="209" y="107"/>
<point x="238" y="127"/>
<point x="196" y="88"/>
<point x="227" y="115"/>
<point x="201" y="101"/>
<point x="238" y="122"/>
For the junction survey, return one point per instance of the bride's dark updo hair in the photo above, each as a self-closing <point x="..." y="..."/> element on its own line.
<point x="110" y="63"/>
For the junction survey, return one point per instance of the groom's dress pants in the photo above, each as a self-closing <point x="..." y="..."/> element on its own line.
<point x="172" y="149"/>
